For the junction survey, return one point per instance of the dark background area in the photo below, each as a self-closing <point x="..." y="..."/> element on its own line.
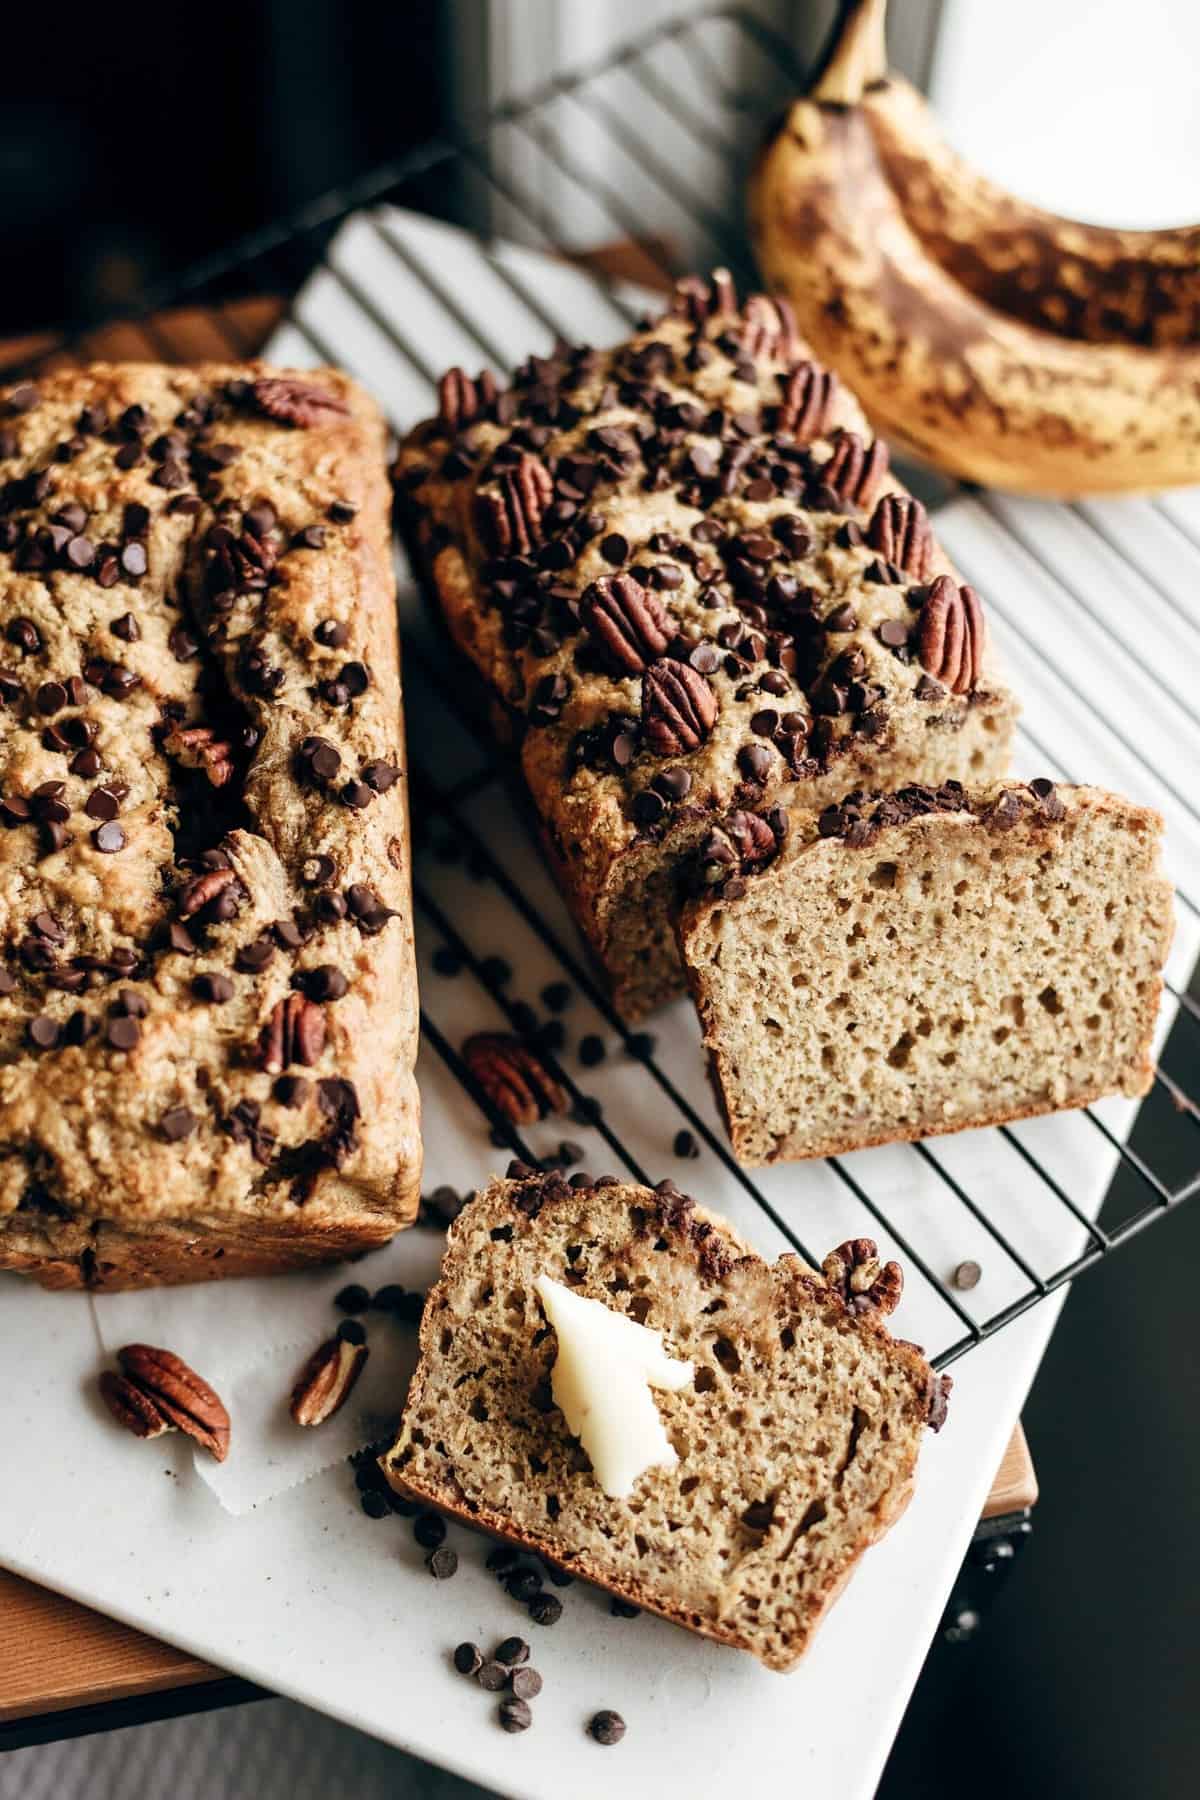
<point x="135" y="140"/>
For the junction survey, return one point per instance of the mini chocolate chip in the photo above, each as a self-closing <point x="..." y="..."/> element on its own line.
<point x="429" y="1529"/>
<point x="515" y="1715"/>
<point x="442" y="1563"/>
<point x="545" y="1609"/>
<point x="467" y="1659"/>
<point x="354" y="1298"/>
<point x="177" y="1124"/>
<point x="216" y="989"/>
<point x="607" y="1727"/>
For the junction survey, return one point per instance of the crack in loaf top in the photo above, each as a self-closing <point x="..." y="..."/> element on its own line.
<point x="198" y="693"/>
<point x="685" y="567"/>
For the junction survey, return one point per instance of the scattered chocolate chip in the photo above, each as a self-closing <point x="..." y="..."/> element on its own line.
<point x="467" y="1659"/>
<point x="624" y="1609"/>
<point x="511" y="1651"/>
<point x="606" y="1727"/>
<point x="515" y="1715"/>
<point x="492" y="1677"/>
<point x="353" y="1298"/>
<point x="591" y="1050"/>
<point x="442" y="1563"/>
<point x="374" y="1504"/>
<point x="351" y="1332"/>
<point x="686" y="1145"/>
<point x="523" y="1584"/>
<point x="526" y="1684"/>
<point x="429" y="1529"/>
<point x="966" y="1276"/>
<point x="545" y="1609"/>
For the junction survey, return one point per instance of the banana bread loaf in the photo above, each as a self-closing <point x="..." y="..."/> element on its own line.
<point x="207" y="990"/>
<point x="690" y="585"/>
<point x="928" y="961"/>
<point x="797" y="1438"/>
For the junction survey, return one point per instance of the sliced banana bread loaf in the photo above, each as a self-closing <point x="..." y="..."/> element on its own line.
<point x="797" y="1438"/>
<point x="687" y="580"/>
<point x="927" y="961"/>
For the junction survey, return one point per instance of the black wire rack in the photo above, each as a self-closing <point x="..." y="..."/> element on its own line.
<point x="676" y="115"/>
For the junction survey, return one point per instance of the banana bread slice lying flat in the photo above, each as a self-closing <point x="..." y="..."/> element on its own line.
<point x="797" y="1438"/>
<point x="928" y="961"/>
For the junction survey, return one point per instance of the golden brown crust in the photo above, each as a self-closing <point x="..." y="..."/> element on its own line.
<point x="222" y="595"/>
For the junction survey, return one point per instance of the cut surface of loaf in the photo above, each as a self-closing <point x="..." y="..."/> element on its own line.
<point x="688" y="582"/>
<point x="797" y="1438"/>
<point x="931" y="961"/>
<point x="207" y="986"/>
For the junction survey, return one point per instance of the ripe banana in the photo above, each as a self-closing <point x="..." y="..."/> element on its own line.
<point x="1002" y="344"/>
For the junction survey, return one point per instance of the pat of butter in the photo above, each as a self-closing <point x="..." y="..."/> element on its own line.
<point x="606" y="1365"/>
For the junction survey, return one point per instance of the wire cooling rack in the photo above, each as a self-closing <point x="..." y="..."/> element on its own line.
<point x="1092" y="605"/>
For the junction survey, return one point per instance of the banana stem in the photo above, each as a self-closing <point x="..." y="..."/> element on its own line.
<point x="856" y="57"/>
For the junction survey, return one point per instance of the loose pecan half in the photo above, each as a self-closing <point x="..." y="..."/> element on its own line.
<point x="698" y="300"/>
<point x="292" y="402"/>
<point x="937" y="1400"/>
<point x="513" y="1077"/>
<point x="855" y="469"/>
<point x="132" y="1408"/>
<point x="510" y="512"/>
<point x="183" y="1398"/>
<point x="198" y="747"/>
<point x="806" y="402"/>
<point x="865" y="1284"/>
<point x="950" y="635"/>
<point x="460" y="399"/>
<point x="770" y="328"/>
<point x="629" y="621"/>
<point x="294" y="1033"/>
<point x="900" y="531"/>
<point x="679" y="708"/>
<point x="325" y="1382"/>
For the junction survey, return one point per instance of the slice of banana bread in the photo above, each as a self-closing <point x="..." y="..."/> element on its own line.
<point x="797" y="1439"/>
<point x="688" y="581"/>
<point x="929" y="961"/>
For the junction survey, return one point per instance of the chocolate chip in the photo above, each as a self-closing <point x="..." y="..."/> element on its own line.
<point x="24" y="634"/>
<point x="340" y="511"/>
<point x="333" y="633"/>
<point x="177" y="1124"/>
<point x="291" y="1090"/>
<point x="443" y="1563"/>
<point x="253" y="957"/>
<point x="109" y="838"/>
<point x="374" y="1504"/>
<point x="512" y="1651"/>
<point x="354" y="1298"/>
<point x="122" y="1033"/>
<point x="591" y="1050"/>
<point x="356" y="795"/>
<point x="317" y="871"/>
<point x="133" y="559"/>
<point x="429" y="1529"/>
<point x="607" y="1727"/>
<point x="966" y="1276"/>
<point x="216" y="989"/>
<point x="515" y="1715"/>
<point x="43" y="1032"/>
<point x="467" y="1659"/>
<point x="754" y="761"/>
<point x="493" y="1677"/>
<point x="625" y="1609"/>
<point x="686" y="1145"/>
<point x="182" y="645"/>
<point x="380" y="775"/>
<point x="327" y="982"/>
<point x="545" y="1609"/>
<point x="311" y="538"/>
<point x="523" y="1584"/>
<point x="892" y="632"/>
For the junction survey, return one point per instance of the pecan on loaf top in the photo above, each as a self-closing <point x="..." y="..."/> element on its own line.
<point x="203" y="863"/>
<point x="686" y="570"/>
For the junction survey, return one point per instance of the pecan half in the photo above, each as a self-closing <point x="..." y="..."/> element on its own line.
<point x="743" y="840"/>
<point x="679" y="708"/>
<point x="950" y="635"/>
<point x="513" y="1078"/>
<point x="855" y="1272"/>
<point x="198" y="747"/>
<point x="900" y="531"/>
<point x="294" y="1033"/>
<point x="180" y="1395"/>
<point x="325" y="1382"/>
<point x="203" y="889"/>
<point x="460" y="399"/>
<point x="806" y="402"/>
<point x="629" y="621"/>
<point x="855" y="469"/>
<point x="292" y="402"/>
<point x="132" y="1408"/>
<point x="698" y="300"/>
<point x="770" y="328"/>
<point x="510" y="514"/>
<point x="937" y="1400"/>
